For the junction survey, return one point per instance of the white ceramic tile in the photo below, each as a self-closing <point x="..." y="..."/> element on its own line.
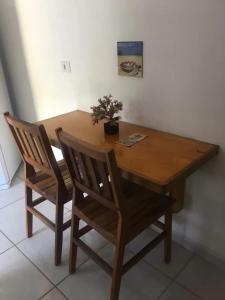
<point x="4" y="243"/>
<point x="176" y="292"/>
<point x="66" y="209"/>
<point x="37" y="195"/>
<point x="141" y="240"/>
<point x="54" y="295"/>
<point x="91" y="282"/>
<point x="40" y="249"/>
<point x="143" y="282"/>
<point x="68" y="205"/>
<point x="15" y="192"/>
<point x="93" y="239"/>
<point x="12" y="219"/>
<point x="203" y="279"/>
<point x="108" y="253"/>
<point x="19" y="279"/>
<point x="180" y="255"/>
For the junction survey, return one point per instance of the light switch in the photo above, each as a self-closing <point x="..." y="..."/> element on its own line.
<point x="66" y="67"/>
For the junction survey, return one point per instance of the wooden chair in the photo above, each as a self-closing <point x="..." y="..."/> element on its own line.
<point x="43" y="175"/>
<point x="119" y="216"/>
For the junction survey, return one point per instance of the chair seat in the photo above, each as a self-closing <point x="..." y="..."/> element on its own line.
<point x="143" y="207"/>
<point x="47" y="185"/>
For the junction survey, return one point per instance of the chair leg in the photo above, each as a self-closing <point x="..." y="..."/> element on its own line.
<point x="59" y="232"/>
<point x="58" y="246"/>
<point x="29" y="215"/>
<point x="117" y="271"/>
<point x="73" y="246"/>
<point x="168" y="238"/>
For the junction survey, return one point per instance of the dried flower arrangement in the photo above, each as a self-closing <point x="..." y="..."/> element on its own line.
<point x="107" y="108"/>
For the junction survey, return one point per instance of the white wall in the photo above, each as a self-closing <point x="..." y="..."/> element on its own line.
<point x="9" y="157"/>
<point x="183" y="89"/>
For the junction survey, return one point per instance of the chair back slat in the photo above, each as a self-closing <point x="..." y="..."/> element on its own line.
<point x="34" y="151"/>
<point x="83" y="169"/>
<point x="41" y="151"/>
<point x="20" y="139"/>
<point x="95" y="180"/>
<point x="27" y="138"/>
<point x="34" y="146"/>
<point x="92" y="171"/>
<point x="104" y="176"/>
<point x="74" y="168"/>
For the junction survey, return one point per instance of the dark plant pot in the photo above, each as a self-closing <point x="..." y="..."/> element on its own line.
<point x="111" y="127"/>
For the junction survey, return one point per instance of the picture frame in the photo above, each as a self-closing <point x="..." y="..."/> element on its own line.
<point x="130" y="58"/>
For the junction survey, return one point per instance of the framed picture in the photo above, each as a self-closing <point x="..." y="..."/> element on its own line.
<point x="130" y="58"/>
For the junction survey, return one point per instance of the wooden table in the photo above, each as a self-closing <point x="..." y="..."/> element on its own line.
<point x="160" y="162"/>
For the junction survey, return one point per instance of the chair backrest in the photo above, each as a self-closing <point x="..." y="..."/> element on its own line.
<point x="34" y="146"/>
<point x="93" y="171"/>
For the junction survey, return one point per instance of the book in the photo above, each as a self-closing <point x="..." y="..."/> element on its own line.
<point x="132" y="139"/>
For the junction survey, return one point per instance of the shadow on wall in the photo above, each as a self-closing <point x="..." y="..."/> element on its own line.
<point x="14" y="62"/>
<point x="198" y="226"/>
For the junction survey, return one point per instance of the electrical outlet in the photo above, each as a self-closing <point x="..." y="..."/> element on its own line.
<point x="66" y="67"/>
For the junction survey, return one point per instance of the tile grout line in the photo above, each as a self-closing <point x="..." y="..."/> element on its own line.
<point x="89" y="259"/>
<point x="6" y="250"/>
<point x="11" y="246"/>
<point x="154" y="267"/>
<point x="19" y="199"/>
<point x="66" y="213"/>
<point x="191" y="292"/>
<point x="148" y="263"/>
<point x="165" y="290"/>
<point x="84" y="262"/>
<point x="175" y="278"/>
<point x="174" y="281"/>
<point x="45" y="227"/>
<point x="54" y="285"/>
<point x="54" y="288"/>
<point x="184" y="266"/>
<point x="61" y="293"/>
<point x="45" y="294"/>
<point x="42" y="273"/>
<point x="16" y="246"/>
<point x="34" y="234"/>
<point x="158" y="270"/>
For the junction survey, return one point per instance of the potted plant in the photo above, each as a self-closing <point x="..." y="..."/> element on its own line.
<point x="107" y="108"/>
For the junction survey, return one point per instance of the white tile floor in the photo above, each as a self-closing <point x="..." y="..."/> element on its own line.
<point x="27" y="271"/>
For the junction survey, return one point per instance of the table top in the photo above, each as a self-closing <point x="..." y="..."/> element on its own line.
<point x="160" y="158"/>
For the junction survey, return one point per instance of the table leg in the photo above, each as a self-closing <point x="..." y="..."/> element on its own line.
<point x="178" y="192"/>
